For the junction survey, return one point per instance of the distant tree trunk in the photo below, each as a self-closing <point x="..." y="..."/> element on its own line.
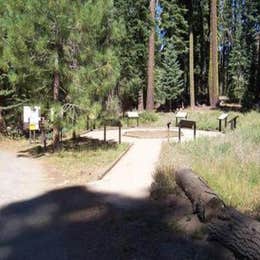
<point x="2" y="123"/>
<point x="140" y="100"/>
<point x="150" y="69"/>
<point x="213" y="63"/>
<point x="192" y="91"/>
<point x="56" y="88"/>
<point x="258" y="67"/>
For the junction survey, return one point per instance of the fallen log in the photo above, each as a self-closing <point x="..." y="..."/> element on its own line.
<point x="232" y="229"/>
<point x="205" y="203"/>
<point x="237" y="232"/>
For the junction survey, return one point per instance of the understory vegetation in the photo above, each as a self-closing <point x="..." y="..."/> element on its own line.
<point x="230" y="164"/>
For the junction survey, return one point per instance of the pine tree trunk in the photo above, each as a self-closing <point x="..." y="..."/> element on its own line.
<point x="56" y="88"/>
<point x="213" y="63"/>
<point x="192" y="91"/>
<point x="150" y="69"/>
<point x="140" y="100"/>
<point x="2" y="123"/>
<point x="258" y="67"/>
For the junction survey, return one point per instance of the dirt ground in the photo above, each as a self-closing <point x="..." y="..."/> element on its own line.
<point x="40" y="220"/>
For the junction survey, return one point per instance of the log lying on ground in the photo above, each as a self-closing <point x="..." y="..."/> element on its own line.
<point x="237" y="232"/>
<point x="232" y="229"/>
<point x="205" y="202"/>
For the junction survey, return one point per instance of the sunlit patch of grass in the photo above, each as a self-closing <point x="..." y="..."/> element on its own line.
<point x="206" y="119"/>
<point x="89" y="164"/>
<point x="230" y="164"/>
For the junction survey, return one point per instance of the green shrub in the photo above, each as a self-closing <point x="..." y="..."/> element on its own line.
<point x="148" y="117"/>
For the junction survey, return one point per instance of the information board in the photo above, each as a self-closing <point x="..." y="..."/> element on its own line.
<point x="31" y="117"/>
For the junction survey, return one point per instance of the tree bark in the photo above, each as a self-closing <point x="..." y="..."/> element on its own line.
<point x="205" y="202"/>
<point x="140" y="100"/>
<point x="237" y="232"/>
<point x="56" y="128"/>
<point x="232" y="229"/>
<point x="192" y="91"/>
<point x="213" y="63"/>
<point x="150" y="67"/>
<point x="258" y="67"/>
<point x="2" y="123"/>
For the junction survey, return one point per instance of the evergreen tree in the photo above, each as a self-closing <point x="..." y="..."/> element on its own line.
<point x="55" y="53"/>
<point x="238" y="66"/>
<point x="133" y="51"/>
<point x="169" y="87"/>
<point x="173" y="26"/>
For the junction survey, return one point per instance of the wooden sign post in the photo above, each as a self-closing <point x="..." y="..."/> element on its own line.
<point x="187" y="124"/>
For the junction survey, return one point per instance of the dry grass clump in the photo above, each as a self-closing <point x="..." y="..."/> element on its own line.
<point x="230" y="164"/>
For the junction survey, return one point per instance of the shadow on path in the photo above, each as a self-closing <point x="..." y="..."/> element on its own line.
<point x="73" y="223"/>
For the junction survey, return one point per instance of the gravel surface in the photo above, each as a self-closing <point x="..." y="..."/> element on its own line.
<point x="21" y="178"/>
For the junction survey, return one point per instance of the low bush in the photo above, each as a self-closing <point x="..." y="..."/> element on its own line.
<point x="148" y="117"/>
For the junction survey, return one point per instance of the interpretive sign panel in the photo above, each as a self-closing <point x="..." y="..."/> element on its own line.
<point x="31" y="117"/>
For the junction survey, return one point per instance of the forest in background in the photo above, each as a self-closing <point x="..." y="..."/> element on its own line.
<point x="88" y="58"/>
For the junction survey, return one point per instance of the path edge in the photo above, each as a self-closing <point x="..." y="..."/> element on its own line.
<point x="114" y="163"/>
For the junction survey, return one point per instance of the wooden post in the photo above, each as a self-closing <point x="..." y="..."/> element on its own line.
<point x="44" y="139"/>
<point x="30" y="136"/>
<point x="179" y="133"/>
<point x="168" y="127"/>
<point x="119" y="134"/>
<point x="87" y="123"/>
<point x="194" y="131"/>
<point x="219" y="125"/>
<point x="105" y="133"/>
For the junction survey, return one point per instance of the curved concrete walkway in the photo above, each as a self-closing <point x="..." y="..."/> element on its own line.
<point x="132" y="176"/>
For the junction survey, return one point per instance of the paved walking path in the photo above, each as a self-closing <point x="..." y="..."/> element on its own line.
<point x="132" y="176"/>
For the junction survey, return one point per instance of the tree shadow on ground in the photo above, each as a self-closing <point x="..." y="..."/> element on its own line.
<point x="74" y="223"/>
<point x="74" y="145"/>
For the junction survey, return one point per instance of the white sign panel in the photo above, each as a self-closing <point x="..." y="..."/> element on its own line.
<point x="181" y="114"/>
<point x="133" y="114"/>
<point x="31" y="115"/>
